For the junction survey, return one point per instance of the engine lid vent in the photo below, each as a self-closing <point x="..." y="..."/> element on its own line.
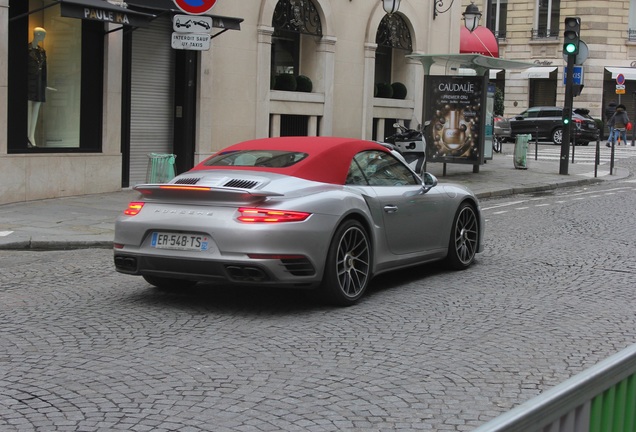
<point x="188" y="181"/>
<point x="239" y="183"/>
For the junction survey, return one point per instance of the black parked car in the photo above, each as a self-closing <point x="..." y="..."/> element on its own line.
<point x="549" y="121"/>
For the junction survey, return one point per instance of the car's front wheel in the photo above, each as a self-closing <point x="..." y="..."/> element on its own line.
<point x="348" y="265"/>
<point x="169" y="283"/>
<point x="464" y="238"/>
<point x="557" y="136"/>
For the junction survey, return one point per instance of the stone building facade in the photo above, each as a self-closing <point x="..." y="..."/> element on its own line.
<point x="532" y="31"/>
<point x="124" y="93"/>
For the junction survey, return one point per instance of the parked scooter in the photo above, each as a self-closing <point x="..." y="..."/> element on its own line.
<point x="410" y="143"/>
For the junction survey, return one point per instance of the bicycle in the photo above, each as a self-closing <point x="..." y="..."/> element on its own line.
<point x="497" y="143"/>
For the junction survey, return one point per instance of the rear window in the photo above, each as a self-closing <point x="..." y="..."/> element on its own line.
<point x="257" y="158"/>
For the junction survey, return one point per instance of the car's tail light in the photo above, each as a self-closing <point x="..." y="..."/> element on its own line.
<point x="133" y="208"/>
<point x="256" y="215"/>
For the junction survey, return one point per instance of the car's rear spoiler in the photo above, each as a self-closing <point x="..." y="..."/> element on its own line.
<point x="213" y="193"/>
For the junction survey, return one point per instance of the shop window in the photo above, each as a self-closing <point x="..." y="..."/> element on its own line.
<point x="393" y="38"/>
<point x="285" y="53"/>
<point x="55" y="80"/>
<point x="542" y="92"/>
<point x="294" y="22"/>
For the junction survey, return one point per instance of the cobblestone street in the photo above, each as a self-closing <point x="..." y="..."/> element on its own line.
<point x="85" y="348"/>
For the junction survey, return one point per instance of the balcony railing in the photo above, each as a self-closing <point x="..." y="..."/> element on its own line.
<point x="631" y="35"/>
<point x="500" y="35"/>
<point x="544" y="33"/>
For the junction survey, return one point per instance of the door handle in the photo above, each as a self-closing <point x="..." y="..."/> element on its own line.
<point x="390" y="208"/>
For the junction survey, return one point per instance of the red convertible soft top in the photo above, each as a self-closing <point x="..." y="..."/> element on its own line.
<point x="328" y="161"/>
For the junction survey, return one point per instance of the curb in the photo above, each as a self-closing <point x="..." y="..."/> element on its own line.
<point x="56" y="245"/>
<point x="535" y="188"/>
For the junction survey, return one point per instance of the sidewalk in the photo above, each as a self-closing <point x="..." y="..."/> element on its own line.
<point x="88" y="220"/>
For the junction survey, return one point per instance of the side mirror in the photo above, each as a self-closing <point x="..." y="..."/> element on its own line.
<point x="429" y="181"/>
<point x="518" y="117"/>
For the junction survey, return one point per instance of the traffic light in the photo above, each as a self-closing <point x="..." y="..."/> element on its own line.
<point x="567" y="116"/>
<point x="572" y="36"/>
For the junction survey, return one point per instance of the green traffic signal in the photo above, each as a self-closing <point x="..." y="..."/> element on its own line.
<point x="567" y="116"/>
<point x="572" y="36"/>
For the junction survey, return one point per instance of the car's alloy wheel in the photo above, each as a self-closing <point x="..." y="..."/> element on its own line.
<point x="464" y="238"/>
<point x="169" y="283"/>
<point x="557" y="136"/>
<point x="348" y="266"/>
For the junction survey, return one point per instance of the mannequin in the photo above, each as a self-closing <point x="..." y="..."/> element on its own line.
<point x="36" y="80"/>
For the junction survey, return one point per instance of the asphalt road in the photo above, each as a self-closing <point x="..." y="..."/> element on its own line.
<point x="85" y="348"/>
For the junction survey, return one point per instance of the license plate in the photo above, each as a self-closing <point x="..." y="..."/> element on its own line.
<point x="591" y="126"/>
<point x="180" y="241"/>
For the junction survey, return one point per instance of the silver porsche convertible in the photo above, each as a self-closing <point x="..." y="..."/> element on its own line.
<point x="319" y="213"/>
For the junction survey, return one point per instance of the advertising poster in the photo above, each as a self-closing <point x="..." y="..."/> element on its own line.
<point x="454" y="107"/>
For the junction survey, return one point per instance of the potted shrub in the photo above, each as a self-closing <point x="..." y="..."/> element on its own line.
<point x="303" y="84"/>
<point x="285" y="82"/>
<point x="399" y="90"/>
<point x="384" y="90"/>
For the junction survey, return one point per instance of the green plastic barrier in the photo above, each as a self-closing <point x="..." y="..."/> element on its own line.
<point x="521" y="151"/>
<point x="160" y="168"/>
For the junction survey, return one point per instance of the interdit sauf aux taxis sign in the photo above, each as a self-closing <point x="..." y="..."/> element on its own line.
<point x="194" y="7"/>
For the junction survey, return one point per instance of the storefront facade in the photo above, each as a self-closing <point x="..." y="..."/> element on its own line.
<point x="112" y="96"/>
<point x="61" y="92"/>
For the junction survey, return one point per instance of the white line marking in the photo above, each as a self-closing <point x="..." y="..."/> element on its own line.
<point x="504" y="205"/>
<point x="5" y="233"/>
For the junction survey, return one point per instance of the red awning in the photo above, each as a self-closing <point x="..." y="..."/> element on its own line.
<point x="481" y="41"/>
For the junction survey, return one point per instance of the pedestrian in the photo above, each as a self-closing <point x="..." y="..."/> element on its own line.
<point x="609" y="112"/>
<point x="618" y="123"/>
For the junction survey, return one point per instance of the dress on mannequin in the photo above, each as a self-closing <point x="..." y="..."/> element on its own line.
<point x="36" y="80"/>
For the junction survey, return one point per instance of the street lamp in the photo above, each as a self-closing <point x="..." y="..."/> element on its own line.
<point x="391" y="6"/>
<point x="471" y="17"/>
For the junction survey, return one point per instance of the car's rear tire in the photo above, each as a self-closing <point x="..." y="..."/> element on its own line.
<point x="348" y="265"/>
<point x="557" y="136"/>
<point x="169" y="283"/>
<point x="464" y="238"/>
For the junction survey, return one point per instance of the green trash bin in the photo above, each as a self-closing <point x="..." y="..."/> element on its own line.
<point x="521" y="151"/>
<point x="160" y="168"/>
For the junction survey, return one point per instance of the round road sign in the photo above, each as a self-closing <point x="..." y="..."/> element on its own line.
<point x="620" y="79"/>
<point x="195" y="7"/>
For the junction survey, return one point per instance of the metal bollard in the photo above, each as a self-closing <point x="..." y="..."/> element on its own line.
<point x="536" y="144"/>
<point x="597" y="157"/>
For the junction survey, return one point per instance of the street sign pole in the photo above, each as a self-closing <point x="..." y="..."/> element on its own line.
<point x="565" y="143"/>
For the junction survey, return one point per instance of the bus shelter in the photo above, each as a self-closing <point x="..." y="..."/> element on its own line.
<point x="459" y="104"/>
